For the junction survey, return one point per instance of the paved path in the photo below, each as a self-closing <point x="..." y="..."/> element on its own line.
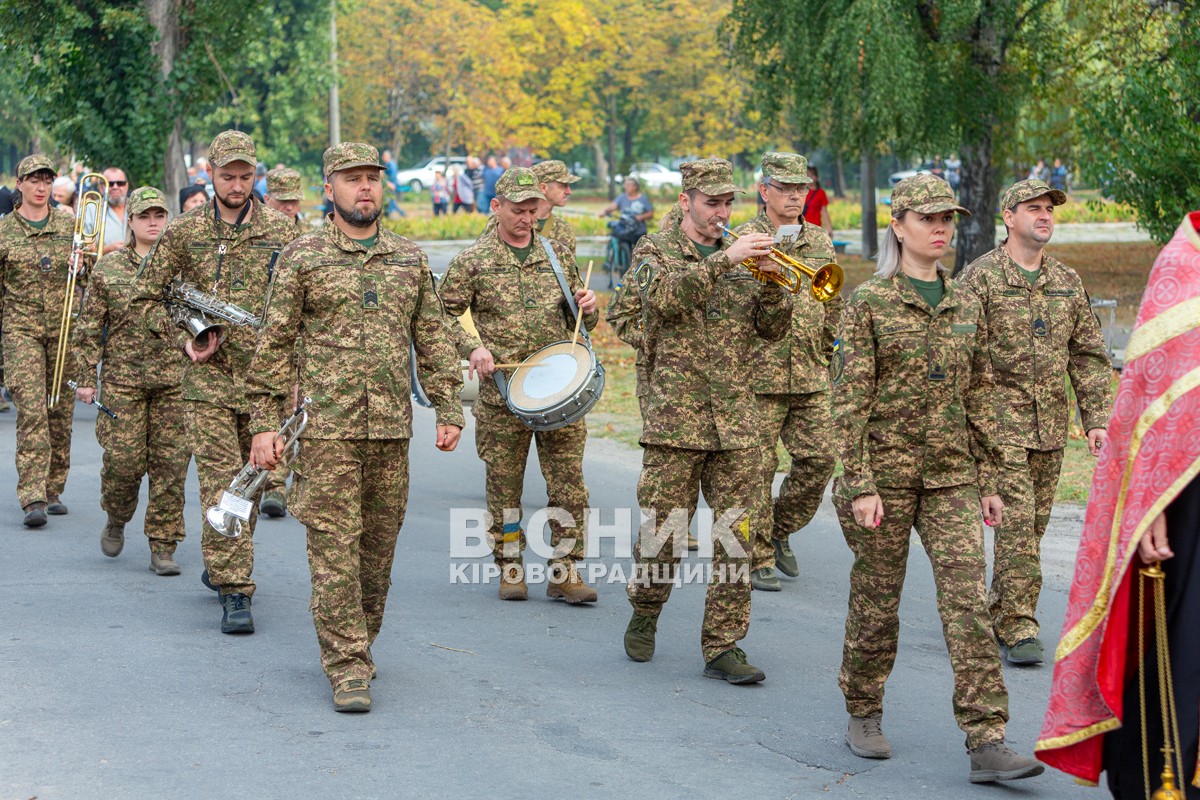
<point x="118" y="684"/>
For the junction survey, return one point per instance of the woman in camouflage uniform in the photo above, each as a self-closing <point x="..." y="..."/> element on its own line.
<point x="912" y="397"/>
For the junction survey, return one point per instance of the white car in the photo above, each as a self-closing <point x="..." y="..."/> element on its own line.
<point x="421" y="176"/>
<point x="654" y="176"/>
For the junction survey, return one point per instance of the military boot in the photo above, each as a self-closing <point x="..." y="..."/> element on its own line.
<point x="732" y="666"/>
<point x="639" y="637"/>
<point x="112" y="541"/>
<point x="236" y="616"/>
<point x="997" y="762"/>
<point x="35" y="515"/>
<point x="785" y="559"/>
<point x="273" y="504"/>
<point x="569" y="586"/>
<point x="512" y="582"/>
<point x="765" y="580"/>
<point x="1025" y="653"/>
<point x="865" y="737"/>
<point x="162" y="560"/>
<point x="56" y="508"/>
<point x="352" y="696"/>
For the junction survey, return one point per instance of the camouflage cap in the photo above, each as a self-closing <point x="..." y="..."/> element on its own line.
<point x="348" y="155"/>
<point x="553" y="171"/>
<point x="230" y="146"/>
<point x="711" y="176"/>
<point x="145" y="198"/>
<point x="518" y="184"/>
<point x="924" y="193"/>
<point x="283" y="183"/>
<point x="35" y="163"/>
<point x="1025" y="191"/>
<point x="785" y="167"/>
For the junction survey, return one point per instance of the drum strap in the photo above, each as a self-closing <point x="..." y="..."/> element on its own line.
<point x="562" y="284"/>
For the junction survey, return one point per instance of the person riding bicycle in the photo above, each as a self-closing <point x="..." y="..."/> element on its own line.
<point x="634" y="209"/>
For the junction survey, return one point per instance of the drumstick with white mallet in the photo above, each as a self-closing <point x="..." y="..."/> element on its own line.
<point x="579" y="316"/>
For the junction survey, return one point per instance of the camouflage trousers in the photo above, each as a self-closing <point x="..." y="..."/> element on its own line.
<point x="43" y="434"/>
<point x="219" y="439"/>
<point x="502" y="442"/>
<point x="949" y="524"/>
<point x="668" y="487"/>
<point x="1027" y="486"/>
<point x="148" y="438"/>
<point x="805" y="425"/>
<point x="351" y="495"/>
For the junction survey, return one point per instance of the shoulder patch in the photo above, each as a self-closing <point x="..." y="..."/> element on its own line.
<point x="645" y="274"/>
<point x="837" y="362"/>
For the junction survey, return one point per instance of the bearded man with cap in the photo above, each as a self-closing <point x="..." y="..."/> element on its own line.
<point x="141" y="374"/>
<point x="228" y="248"/>
<point x="1041" y="327"/>
<point x="35" y="251"/>
<point x="702" y="314"/>
<point x="554" y="182"/>
<point x="351" y="484"/>
<point x="508" y="281"/>
<point x="791" y="376"/>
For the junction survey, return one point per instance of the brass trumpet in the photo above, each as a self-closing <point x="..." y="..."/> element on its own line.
<point x="87" y="243"/>
<point x="825" y="281"/>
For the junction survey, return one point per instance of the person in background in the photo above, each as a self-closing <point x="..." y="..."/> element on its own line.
<point x="1059" y="175"/>
<point x="62" y="193"/>
<point x="491" y="174"/>
<point x="440" y="192"/>
<point x="392" y="170"/>
<point x="464" y="191"/>
<point x="260" y="180"/>
<point x="816" y="205"/>
<point x="475" y="171"/>
<point x="192" y="196"/>
<point x="114" y="226"/>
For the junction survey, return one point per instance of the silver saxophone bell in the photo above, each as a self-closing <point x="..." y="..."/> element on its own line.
<point x="237" y="502"/>
<point x="197" y="312"/>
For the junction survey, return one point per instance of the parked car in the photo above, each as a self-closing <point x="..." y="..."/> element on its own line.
<point x="896" y="177"/>
<point x="654" y="176"/>
<point x="421" y="176"/>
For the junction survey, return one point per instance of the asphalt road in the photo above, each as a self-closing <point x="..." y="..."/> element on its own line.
<point x="118" y="684"/>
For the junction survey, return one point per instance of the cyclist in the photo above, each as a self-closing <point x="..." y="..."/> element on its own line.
<point x="634" y="209"/>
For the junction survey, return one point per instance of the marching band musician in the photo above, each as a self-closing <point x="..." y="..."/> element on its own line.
<point x="141" y="377"/>
<point x="349" y="300"/>
<point x="35" y="253"/>
<point x="227" y="247"/>
<point x="507" y="281"/>
<point x="554" y="182"/>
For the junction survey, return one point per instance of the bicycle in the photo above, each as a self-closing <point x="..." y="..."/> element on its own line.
<point x="619" y="252"/>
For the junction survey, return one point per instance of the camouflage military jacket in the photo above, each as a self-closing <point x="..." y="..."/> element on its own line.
<point x="555" y="229"/>
<point x="33" y="273"/>
<point x="351" y="313"/>
<point x="799" y="362"/>
<point x="204" y="251"/>
<point x="702" y="318"/>
<point x="1038" y="334"/>
<point x="107" y="331"/>
<point x="517" y="308"/>
<point x="912" y="390"/>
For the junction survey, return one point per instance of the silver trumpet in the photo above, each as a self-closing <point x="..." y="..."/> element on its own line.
<point x="198" y="312"/>
<point x="237" y="501"/>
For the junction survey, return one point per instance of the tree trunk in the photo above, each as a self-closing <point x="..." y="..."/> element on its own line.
<point x="612" y="144"/>
<point x="164" y="16"/>
<point x="627" y="141"/>
<point x="602" y="170"/>
<point x="335" y="104"/>
<point x="839" y="178"/>
<point x="977" y="193"/>
<point x="870" y="236"/>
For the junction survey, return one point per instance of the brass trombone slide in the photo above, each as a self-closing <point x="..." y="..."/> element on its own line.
<point x="87" y="243"/>
<point x="826" y="280"/>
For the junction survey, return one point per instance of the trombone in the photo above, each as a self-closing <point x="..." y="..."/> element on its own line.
<point x="87" y="243"/>
<point x="826" y="280"/>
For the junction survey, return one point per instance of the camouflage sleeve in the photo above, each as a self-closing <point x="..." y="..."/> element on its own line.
<point x="625" y="312"/>
<point x="853" y="368"/>
<point x="88" y="337"/>
<point x="3" y="280"/>
<point x="1089" y="367"/>
<point x="568" y="238"/>
<point x="772" y="312"/>
<point x="981" y="413"/>
<point x="437" y="362"/>
<point x="457" y="291"/>
<point x="829" y="329"/>
<point x="155" y="274"/>
<point x="670" y="291"/>
<point x="575" y="281"/>
<point x="269" y="377"/>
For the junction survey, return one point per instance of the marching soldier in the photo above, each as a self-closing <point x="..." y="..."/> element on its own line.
<point x="912" y="391"/>
<point x="507" y="280"/>
<point x="141" y="377"/>
<point x="35" y="251"/>
<point x="554" y="182"/>
<point x="1041" y="326"/>
<point x="351" y="485"/>
<point x="701" y="428"/>
<point x="791" y="377"/>
<point x="227" y="248"/>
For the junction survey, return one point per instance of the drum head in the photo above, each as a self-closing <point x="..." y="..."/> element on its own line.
<point x="560" y="375"/>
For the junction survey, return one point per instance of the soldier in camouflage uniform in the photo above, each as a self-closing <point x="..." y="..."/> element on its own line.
<point x="507" y="281"/>
<point x="35" y="249"/>
<point x="284" y="193"/>
<point x="227" y="248"/>
<point x="349" y="299"/>
<point x="1041" y="325"/>
<point x="702" y="315"/>
<point x="554" y="182"/>
<point x="912" y="398"/>
<point x="791" y="377"/>
<point x="141" y="377"/>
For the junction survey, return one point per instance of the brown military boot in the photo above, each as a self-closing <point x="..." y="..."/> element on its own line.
<point x="865" y="737"/>
<point x="352" y="696"/>
<point x="566" y="584"/>
<point x="162" y="560"/>
<point x="112" y="541"/>
<point x="512" y="582"/>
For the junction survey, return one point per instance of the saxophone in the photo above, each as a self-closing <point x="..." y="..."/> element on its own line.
<point x="198" y="312"/>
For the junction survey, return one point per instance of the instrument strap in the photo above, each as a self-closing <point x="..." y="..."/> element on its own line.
<point x="270" y="288"/>
<point x="562" y="284"/>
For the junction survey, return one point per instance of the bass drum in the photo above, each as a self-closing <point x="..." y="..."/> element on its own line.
<point x="470" y="389"/>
